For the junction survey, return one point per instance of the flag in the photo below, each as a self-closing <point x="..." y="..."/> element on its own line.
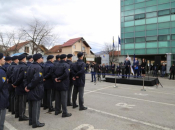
<point x="113" y="43"/>
<point x="119" y="42"/>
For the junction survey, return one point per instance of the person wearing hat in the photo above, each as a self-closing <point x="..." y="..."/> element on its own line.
<point x="30" y="60"/>
<point x="11" y="89"/>
<point x="69" y="92"/>
<point x="3" y="92"/>
<point x="7" y="62"/>
<point x="19" y="75"/>
<point x="48" y="83"/>
<point x="57" y="59"/>
<point x="35" y="89"/>
<point x="61" y="85"/>
<point x="79" y="71"/>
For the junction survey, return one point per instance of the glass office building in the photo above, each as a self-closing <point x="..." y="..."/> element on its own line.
<point x="147" y="27"/>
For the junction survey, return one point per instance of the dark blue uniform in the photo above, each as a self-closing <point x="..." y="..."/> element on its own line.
<point x="29" y="63"/>
<point x="118" y="70"/>
<point x="113" y="68"/>
<point x="136" y="67"/>
<point x="79" y="83"/>
<point x="69" y="94"/>
<point x="20" y="98"/>
<point x="48" y="85"/>
<point x="61" y="72"/>
<point x="107" y="69"/>
<point x="34" y="83"/>
<point x="6" y="66"/>
<point x="3" y="96"/>
<point x="10" y="87"/>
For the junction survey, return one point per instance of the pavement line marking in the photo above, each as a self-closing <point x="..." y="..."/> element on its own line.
<point x="9" y="126"/>
<point x="168" y="104"/>
<point x="130" y="119"/>
<point x="149" y="91"/>
<point x="96" y="90"/>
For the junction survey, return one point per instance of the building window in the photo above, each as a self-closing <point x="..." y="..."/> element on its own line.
<point x="129" y="40"/>
<point x="140" y="39"/>
<point x="26" y="49"/>
<point x="173" y="37"/>
<point x="74" y="46"/>
<point x="83" y="48"/>
<point x="172" y="11"/>
<point x="164" y="12"/>
<point x="149" y="39"/>
<point x="139" y="16"/>
<point x="164" y="37"/>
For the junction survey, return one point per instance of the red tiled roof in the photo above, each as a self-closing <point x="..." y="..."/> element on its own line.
<point x="55" y="49"/>
<point x="18" y="46"/>
<point x="71" y="42"/>
<point x="116" y="53"/>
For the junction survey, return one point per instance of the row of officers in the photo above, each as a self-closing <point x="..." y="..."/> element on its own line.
<point x="40" y="83"/>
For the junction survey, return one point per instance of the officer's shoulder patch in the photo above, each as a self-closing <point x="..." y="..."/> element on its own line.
<point x="40" y="74"/>
<point x="3" y="79"/>
<point x="69" y="69"/>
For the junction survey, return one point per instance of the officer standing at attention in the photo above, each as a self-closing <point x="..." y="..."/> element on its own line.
<point x="48" y="83"/>
<point x="127" y="64"/>
<point x="69" y="94"/>
<point x="113" y="68"/>
<point x="57" y="59"/>
<point x="30" y="60"/>
<point x="3" y="92"/>
<point x="61" y="84"/>
<point x="8" y="61"/>
<point x="11" y="88"/>
<point x="19" y="75"/>
<point x="35" y="89"/>
<point x="79" y="82"/>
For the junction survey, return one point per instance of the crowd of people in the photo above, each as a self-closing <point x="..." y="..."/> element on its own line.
<point x="40" y="84"/>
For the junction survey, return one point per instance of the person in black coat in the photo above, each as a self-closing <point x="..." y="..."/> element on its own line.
<point x="61" y="83"/>
<point x="8" y="60"/>
<point x="155" y="70"/>
<point x="136" y="67"/>
<point x="79" y="82"/>
<point x="113" y="68"/>
<point x="143" y="65"/>
<point x="3" y="92"/>
<point x="118" y="70"/>
<point x="163" y="70"/>
<point x="87" y="68"/>
<point x="127" y="64"/>
<point x="99" y="72"/>
<point x="69" y="92"/>
<point x="103" y="69"/>
<point x="10" y="87"/>
<point x="19" y="74"/>
<point x="30" y="60"/>
<point x="172" y="71"/>
<point x="57" y="59"/>
<point x="35" y="89"/>
<point x="48" y="83"/>
<point x="107" y="68"/>
<point x="93" y="71"/>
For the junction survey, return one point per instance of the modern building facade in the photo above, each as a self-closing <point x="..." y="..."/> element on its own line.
<point x="148" y="28"/>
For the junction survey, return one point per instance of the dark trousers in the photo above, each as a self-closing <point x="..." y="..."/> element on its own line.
<point x="53" y="94"/>
<point x="136" y="72"/>
<point x="103" y="74"/>
<point x="12" y="101"/>
<point x="99" y="76"/>
<point x="112" y="71"/>
<point x="172" y="74"/>
<point x="127" y="72"/>
<point x="79" y="90"/>
<point x="34" y="112"/>
<point x="47" y="100"/>
<point x="20" y="105"/>
<point x="9" y="107"/>
<point x="69" y="94"/>
<point x="93" y="74"/>
<point x="155" y="73"/>
<point x="2" y="118"/>
<point x="61" y="100"/>
<point x="118" y="72"/>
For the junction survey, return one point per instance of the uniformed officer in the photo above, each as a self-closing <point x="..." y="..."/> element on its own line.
<point x="30" y="60"/>
<point x="127" y="64"/>
<point x="19" y="75"/>
<point x="9" y="79"/>
<point x="57" y="59"/>
<point x="136" y="67"/>
<point x="118" y="70"/>
<point x="113" y="68"/>
<point x="107" y="68"/>
<point x="8" y="60"/>
<point x="35" y="89"/>
<point x="69" y="94"/>
<point x="3" y="92"/>
<point x="48" y="83"/>
<point x="79" y="82"/>
<point x="61" y="84"/>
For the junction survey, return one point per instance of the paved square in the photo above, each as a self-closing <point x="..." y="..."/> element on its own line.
<point x="123" y="108"/>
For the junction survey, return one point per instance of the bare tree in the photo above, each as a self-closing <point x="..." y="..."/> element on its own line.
<point x="6" y="41"/>
<point x="110" y="49"/>
<point x="39" y="33"/>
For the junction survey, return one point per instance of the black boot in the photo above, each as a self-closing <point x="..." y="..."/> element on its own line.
<point x="75" y="106"/>
<point x="83" y="108"/>
<point x="39" y="125"/>
<point x="66" y="115"/>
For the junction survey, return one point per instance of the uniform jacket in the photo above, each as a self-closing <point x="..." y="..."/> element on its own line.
<point x="172" y="68"/>
<point x="6" y="66"/>
<point x="61" y="72"/>
<point x="19" y="82"/>
<point x="47" y="72"/>
<point x="103" y="68"/>
<point x="127" y="64"/>
<point x="80" y="82"/>
<point x="118" y="69"/>
<point x="163" y="68"/>
<point x="98" y="69"/>
<point x="136" y="64"/>
<point x="113" y="67"/>
<point x="29" y="63"/>
<point x="9" y="76"/>
<point x="3" y="89"/>
<point x="34" y="82"/>
<point x="69" y="62"/>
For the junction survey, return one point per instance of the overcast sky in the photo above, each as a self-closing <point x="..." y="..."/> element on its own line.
<point x="95" y="20"/>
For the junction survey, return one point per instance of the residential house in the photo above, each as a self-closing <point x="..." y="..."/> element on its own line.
<point x="73" y="46"/>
